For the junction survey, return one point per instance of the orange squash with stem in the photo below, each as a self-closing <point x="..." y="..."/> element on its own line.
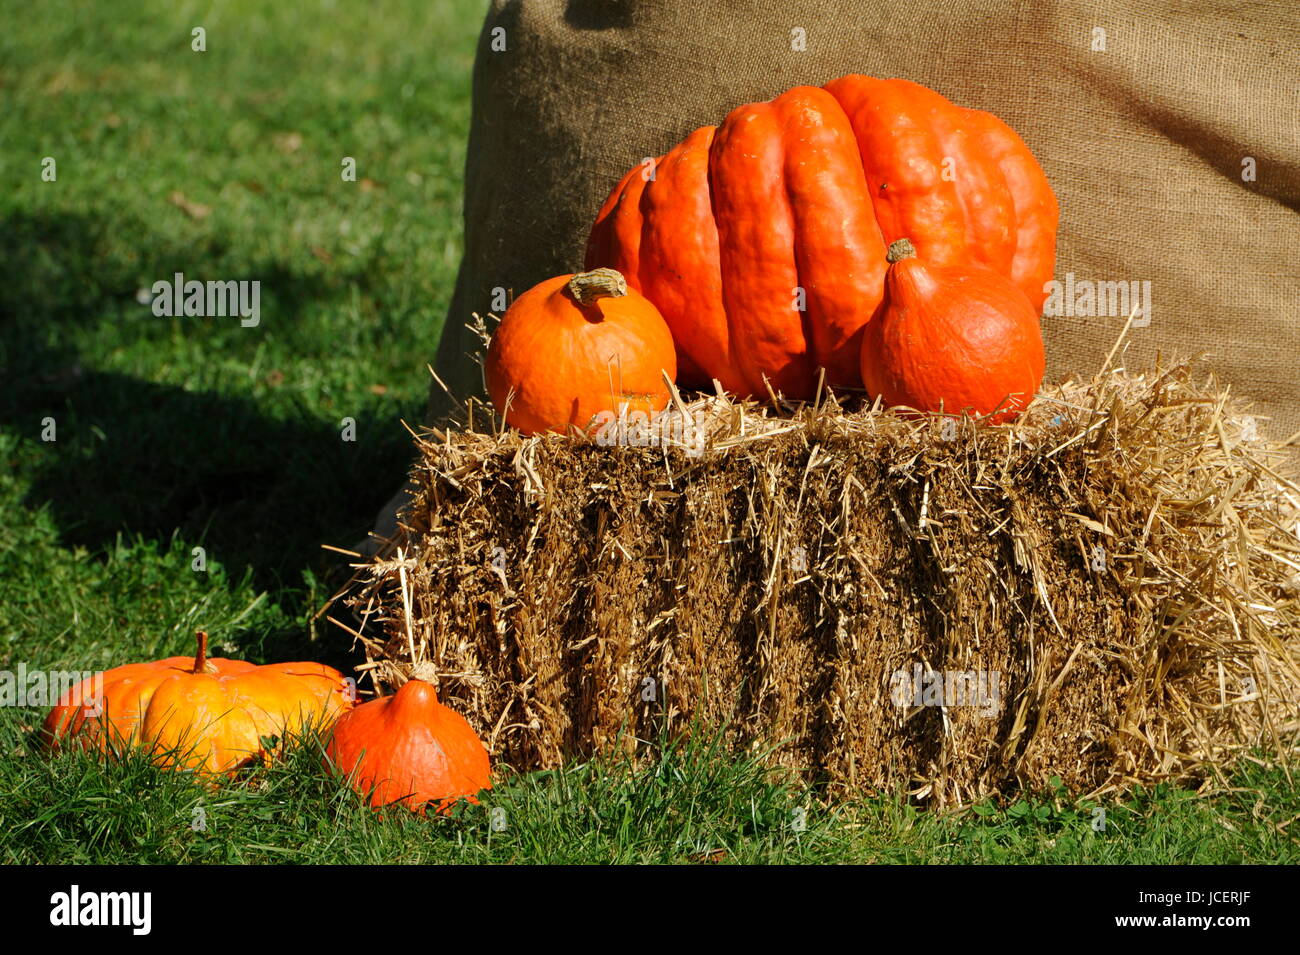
<point x="409" y="749"/>
<point x="954" y="338"/>
<point x="203" y="714"/>
<point x="574" y="346"/>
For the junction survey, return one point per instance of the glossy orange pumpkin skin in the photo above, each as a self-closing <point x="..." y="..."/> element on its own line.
<point x="410" y="749"/>
<point x="806" y="192"/>
<point x="555" y="362"/>
<point x="206" y="715"/>
<point x="957" y="338"/>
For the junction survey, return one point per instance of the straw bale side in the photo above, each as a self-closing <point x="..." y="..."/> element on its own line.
<point x="1120" y="568"/>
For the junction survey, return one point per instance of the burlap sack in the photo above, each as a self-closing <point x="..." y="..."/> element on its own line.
<point x="1170" y="138"/>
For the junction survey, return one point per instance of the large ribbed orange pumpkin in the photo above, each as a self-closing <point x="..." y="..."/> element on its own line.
<point x="762" y="241"/>
<point x="200" y="713"/>
<point x="574" y="346"/>
<point x="952" y="338"/>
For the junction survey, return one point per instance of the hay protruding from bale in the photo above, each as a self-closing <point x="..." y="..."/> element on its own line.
<point x="1107" y="591"/>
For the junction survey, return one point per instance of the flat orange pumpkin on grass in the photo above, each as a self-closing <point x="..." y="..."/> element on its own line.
<point x="204" y="714"/>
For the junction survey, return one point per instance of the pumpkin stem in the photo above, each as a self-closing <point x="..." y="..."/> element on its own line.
<point x="201" y="658"/>
<point x="426" y="672"/>
<point x="902" y="249"/>
<point x="590" y="287"/>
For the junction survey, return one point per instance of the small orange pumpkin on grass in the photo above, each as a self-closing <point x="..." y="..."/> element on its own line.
<point x="409" y="749"/>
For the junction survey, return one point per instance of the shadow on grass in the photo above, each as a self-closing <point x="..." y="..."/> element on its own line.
<point x="257" y="489"/>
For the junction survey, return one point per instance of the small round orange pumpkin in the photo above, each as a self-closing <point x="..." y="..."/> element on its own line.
<point x="958" y="338"/>
<point x="574" y="346"/>
<point x="410" y="749"/>
<point x="207" y="715"/>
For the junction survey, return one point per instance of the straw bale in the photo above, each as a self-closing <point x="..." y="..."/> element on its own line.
<point x="1119" y="572"/>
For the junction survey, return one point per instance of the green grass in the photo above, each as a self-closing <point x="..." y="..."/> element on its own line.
<point x="231" y="435"/>
<point x="691" y="805"/>
<point x="173" y="434"/>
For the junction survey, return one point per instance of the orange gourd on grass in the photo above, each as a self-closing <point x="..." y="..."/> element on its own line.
<point x="955" y="338"/>
<point x="574" y="346"/>
<point x="204" y="714"/>
<point x="410" y="749"/>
